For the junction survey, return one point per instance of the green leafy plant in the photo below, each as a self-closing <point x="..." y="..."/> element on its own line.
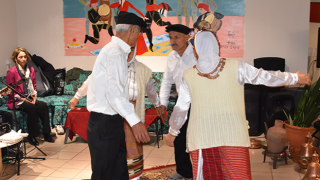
<point x="308" y="108"/>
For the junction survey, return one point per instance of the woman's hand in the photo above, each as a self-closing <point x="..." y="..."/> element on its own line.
<point x="170" y="139"/>
<point x="25" y="100"/>
<point x="7" y="92"/>
<point x="34" y="99"/>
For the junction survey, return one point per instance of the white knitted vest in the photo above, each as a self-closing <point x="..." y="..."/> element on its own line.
<point x="217" y="116"/>
<point x="143" y="76"/>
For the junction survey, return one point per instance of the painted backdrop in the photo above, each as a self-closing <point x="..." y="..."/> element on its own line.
<point x="85" y="34"/>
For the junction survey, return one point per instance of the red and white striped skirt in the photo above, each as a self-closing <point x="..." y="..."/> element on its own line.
<point x="225" y="162"/>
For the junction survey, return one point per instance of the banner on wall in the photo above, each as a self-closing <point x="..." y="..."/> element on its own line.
<point x="89" y="25"/>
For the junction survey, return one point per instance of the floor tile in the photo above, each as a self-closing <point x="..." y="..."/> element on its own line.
<point x="261" y="176"/>
<point x="75" y="164"/>
<point x="64" y="155"/>
<point x="41" y="171"/>
<point x="282" y="176"/>
<point x="88" y="167"/>
<point x="156" y="161"/>
<point x="27" y="177"/>
<point x="82" y="157"/>
<point x="53" y="162"/>
<point x="161" y="153"/>
<point x="84" y="174"/>
<point x="56" y="178"/>
<point x="73" y="148"/>
<point x="262" y="167"/>
<point x="65" y="173"/>
<point x="171" y="161"/>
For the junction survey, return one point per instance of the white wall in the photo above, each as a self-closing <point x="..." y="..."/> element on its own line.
<point x="272" y="28"/>
<point x="8" y="35"/>
<point x="313" y="43"/>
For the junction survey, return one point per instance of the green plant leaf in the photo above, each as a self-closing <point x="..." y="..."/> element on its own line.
<point x="289" y="118"/>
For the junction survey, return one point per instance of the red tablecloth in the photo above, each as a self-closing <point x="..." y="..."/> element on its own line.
<point x="77" y="121"/>
<point x="150" y="116"/>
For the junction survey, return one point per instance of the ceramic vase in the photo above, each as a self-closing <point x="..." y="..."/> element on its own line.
<point x="276" y="138"/>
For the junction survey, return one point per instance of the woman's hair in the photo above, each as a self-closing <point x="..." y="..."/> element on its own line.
<point x="204" y="24"/>
<point x="17" y="51"/>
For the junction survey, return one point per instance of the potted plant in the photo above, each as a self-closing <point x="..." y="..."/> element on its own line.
<point x="307" y="111"/>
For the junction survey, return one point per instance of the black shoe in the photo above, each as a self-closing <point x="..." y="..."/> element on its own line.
<point x="33" y="141"/>
<point x="48" y="138"/>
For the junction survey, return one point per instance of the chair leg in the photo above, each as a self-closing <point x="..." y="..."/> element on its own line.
<point x="156" y="126"/>
<point x="161" y="127"/>
<point x="265" y="154"/>
<point x="66" y="136"/>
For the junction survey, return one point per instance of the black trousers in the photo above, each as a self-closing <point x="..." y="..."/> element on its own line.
<point x="183" y="162"/>
<point x="106" y="140"/>
<point x="36" y="111"/>
<point x="6" y="117"/>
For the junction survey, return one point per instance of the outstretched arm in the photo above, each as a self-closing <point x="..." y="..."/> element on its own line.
<point x="251" y="75"/>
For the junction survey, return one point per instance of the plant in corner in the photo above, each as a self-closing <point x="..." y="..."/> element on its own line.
<point x="307" y="111"/>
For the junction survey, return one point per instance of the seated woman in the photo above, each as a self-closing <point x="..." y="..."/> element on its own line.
<point x="139" y="84"/>
<point x="35" y="109"/>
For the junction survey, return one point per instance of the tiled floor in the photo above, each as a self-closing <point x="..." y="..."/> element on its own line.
<point x="72" y="162"/>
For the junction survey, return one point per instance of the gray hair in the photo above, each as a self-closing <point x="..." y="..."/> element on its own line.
<point x="125" y="27"/>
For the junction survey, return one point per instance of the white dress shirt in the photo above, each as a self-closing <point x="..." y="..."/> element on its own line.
<point x="150" y="89"/>
<point x="246" y="74"/>
<point x="108" y="86"/>
<point x="174" y="72"/>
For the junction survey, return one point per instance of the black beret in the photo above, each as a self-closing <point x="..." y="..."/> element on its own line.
<point x="130" y="18"/>
<point x="178" y="28"/>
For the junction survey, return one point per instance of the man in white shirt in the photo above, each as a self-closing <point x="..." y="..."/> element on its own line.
<point x="109" y="103"/>
<point x="180" y="59"/>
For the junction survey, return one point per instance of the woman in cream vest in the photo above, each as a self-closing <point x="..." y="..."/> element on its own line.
<point x="217" y="135"/>
<point x="139" y="84"/>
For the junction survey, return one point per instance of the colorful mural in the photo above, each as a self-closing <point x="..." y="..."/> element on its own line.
<point x="89" y="25"/>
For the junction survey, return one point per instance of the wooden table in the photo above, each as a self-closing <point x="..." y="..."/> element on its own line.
<point x="151" y="116"/>
<point x="76" y="122"/>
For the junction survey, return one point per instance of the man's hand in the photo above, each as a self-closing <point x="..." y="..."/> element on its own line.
<point x="141" y="133"/>
<point x="73" y="103"/>
<point x="170" y="139"/>
<point x="304" y="78"/>
<point x="162" y="112"/>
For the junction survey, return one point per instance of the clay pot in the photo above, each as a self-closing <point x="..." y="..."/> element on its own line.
<point x="276" y="138"/>
<point x="296" y="135"/>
